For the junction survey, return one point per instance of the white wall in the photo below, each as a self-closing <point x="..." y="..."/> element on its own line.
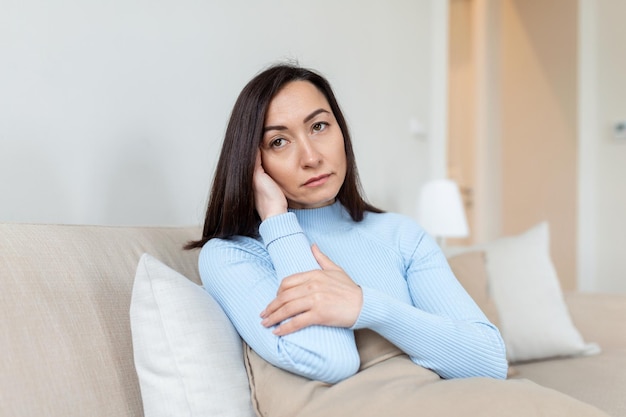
<point x="602" y="158"/>
<point x="113" y="112"/>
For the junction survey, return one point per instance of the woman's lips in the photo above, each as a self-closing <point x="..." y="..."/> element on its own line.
<point x="317" y="181"/>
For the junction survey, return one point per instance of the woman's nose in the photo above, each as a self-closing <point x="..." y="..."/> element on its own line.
<point x="310" y="156"/>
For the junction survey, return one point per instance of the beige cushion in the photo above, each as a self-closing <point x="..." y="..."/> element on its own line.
<point x="469" y="268"/>
<point x="599" y="380"/>
<point x="65" y="338"/>
<point x="393" y="385"/>
<point x="600" y="317"/>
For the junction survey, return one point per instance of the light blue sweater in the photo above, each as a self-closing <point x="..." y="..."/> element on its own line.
<point x="410" y="295"/>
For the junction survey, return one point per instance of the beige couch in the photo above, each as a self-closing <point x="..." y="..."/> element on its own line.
<point x="65" y="336"/>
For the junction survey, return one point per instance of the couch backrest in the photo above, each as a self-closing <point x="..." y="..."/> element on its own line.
<point x="65" y="341"/>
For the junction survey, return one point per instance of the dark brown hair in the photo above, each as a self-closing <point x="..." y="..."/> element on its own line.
<point x="231" y="209"/>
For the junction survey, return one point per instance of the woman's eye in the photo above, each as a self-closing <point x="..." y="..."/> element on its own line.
<point x="278" y="143"/>
<point x="319" y="126"/>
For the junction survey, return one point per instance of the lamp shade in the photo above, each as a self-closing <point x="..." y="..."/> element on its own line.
<point x="440" y="209"/>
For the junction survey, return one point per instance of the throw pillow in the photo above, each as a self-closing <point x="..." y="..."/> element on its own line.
<point x="394" y="386"/>
<point x="188" y="356"/>
<point x="534" y="319"/>
<point x="470" y="269"/>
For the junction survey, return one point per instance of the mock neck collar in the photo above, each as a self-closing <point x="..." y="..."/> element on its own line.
<point x="327" y="218"/>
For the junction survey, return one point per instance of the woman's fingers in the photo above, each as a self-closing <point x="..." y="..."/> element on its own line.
<point x="299" y="308"/>
<point x="321" y="297"/>
<point x="290" y="300"/>
<point x="269" y="199"/>
<point x="296" y="323"/>
<point x="322" y="260"/>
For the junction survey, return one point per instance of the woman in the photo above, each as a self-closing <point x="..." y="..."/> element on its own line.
<point x="299" y="261"/>
<point x="345" y="310"/>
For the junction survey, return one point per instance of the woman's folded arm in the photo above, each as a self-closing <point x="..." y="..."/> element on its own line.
<point x="240" y="275"/>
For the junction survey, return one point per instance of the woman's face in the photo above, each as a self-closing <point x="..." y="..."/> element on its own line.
<point x="302" y="147"/>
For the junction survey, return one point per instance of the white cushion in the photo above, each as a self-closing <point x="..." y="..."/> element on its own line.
<point x="188" y="356"/>
<point x="523" y="283"/>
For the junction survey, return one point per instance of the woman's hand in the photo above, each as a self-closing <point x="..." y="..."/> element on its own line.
<point x="269" y="199"/>
<point x="324" y="297"/>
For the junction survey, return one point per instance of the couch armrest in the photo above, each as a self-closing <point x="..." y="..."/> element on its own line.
<point x="600" y="318"/>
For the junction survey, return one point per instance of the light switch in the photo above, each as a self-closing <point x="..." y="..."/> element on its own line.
<point x="417" y="128"/>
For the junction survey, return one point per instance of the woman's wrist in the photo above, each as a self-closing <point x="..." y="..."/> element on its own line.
<point x="272" y="211"/>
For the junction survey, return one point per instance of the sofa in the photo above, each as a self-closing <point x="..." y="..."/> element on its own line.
<point x="67" y="348"/>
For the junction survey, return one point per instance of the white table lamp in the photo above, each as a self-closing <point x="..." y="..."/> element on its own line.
<point x="440" y="210"/>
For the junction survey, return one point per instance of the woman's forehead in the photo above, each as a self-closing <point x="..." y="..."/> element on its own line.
<point x="296" y="100"/>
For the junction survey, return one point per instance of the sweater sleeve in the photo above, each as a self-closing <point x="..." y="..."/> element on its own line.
<point x="443" y="330"/>
<point x="243" y="276"/>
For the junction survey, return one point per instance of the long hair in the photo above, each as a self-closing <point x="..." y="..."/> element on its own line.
<point x="231" y="210"/>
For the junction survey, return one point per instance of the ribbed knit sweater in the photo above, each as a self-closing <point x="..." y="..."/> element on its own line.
<point x="410" y="295"/>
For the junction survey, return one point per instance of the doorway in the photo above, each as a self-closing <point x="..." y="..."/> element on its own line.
<point x="512" y="141"/>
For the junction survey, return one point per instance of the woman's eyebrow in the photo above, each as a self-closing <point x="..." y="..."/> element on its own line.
<point x="278" y="127"/>
<point x="306" y="119"/>
<point x="315" y="113"/>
